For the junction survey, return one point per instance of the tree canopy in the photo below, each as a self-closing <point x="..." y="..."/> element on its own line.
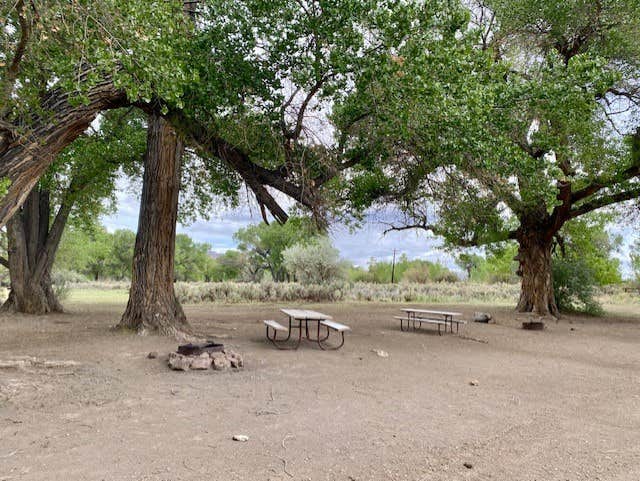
<point x="506" y="129"/>
<point x="266" y="243"/>
<point x="482" y="122"/>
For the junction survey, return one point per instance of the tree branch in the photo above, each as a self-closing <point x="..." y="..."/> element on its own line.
<point x="474" y="242"/>
<point x="561" y="213"/>
<point x="294" y="133"/>
<point x="47" y="254"/>
<point x="605" y="201"/>
<point x="601" y="183"/>
<point x="14" y="67"/>
<point x="254" y="175"/>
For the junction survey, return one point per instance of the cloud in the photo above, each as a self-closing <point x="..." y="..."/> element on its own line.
<point x="358" y="246"/>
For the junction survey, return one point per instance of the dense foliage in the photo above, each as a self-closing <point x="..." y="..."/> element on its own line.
<point x="587" y="241"/>
<point x="574" y="287"/>
<point x="264" y="245"/>
<point x="404" y="270"/>
<point x="314" y="262"/>
<point x="72" y="46"/>
<point x="507" y="128"/>
<point x="485" y="124"/>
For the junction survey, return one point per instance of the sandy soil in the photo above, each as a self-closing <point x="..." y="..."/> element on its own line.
<point x="563" y="404"/>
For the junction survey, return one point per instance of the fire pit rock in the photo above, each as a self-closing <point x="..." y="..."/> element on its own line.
<point x="203" y="357"/>
<point x="221" y="363"/>
<point x="178" y="362"/>
<point x="203" y="361"/>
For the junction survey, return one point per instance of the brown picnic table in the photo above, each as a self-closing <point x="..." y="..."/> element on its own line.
<point x="303" y="317"/>
<point x="428" y="316"/>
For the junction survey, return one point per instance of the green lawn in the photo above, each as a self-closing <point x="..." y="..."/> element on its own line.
<point x="98" y="296"/>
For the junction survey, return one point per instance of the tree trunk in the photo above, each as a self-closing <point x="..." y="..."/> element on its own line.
<point x="534" y="256"/>
<point x="25" y="155"/>
<point x="152" y="306"/>
<point x="31" y="249"/>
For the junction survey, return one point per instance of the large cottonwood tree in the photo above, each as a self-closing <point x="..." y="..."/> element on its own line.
<point x="78" y="187"/>
<point x="62" y="63"/>
<point x="152" y="305"/>
<point x="248" y="88"/>
<point x="508" y="128"/>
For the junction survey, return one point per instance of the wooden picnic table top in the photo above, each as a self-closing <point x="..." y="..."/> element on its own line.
<point x="306" y="314"/>
<point x="427" y="311"/>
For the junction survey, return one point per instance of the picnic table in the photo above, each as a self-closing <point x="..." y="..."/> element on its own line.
<point x="428" y="316"/>
<point x="298" y="318"/>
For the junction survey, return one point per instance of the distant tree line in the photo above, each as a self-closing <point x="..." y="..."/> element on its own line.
<point x="96" y="254"/>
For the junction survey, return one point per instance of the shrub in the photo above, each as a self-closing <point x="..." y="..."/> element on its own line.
<point x="422" y="272"/>
<point x="574" y="287"/>
<point x="315" y="263"/>
<point x="236" y="292"/>
<point x="417" y="274"/>
<point x="61" y="280"/>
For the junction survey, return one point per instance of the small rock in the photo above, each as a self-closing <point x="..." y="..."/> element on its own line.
<point x="236" y="362"/>
<point x="241" y="437"/>
<point x="234" y="358"/>
<point x="474" y="383"/>
<point x="178" y="362"/>
<point x="203" y="361"/>
<point x="221" y="363"/>
<point x="152" y="355"/>
<point x="481" y="317"/>
<point x="468" y="465"/>
<point x="380" y="352"/>
<point x="216" y="355"/>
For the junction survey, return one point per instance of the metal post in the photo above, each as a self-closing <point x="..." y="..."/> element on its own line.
<point x="393" y="266"/>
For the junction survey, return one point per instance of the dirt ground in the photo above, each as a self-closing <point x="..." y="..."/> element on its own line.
<point x="563" y="404"/>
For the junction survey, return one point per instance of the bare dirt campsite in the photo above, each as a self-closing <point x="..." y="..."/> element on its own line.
<point x="494" y="403"/>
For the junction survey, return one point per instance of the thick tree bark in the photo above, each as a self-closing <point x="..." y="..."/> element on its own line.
<point x="534" y="255"/>
<point x="32" y="245"/>
<point x="27" y="150"/>
<point x="152" y="306"/>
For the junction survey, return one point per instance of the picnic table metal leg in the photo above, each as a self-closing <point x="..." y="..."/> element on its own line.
<point x="317" y="338"/>
<point x="280" y="343"/>
<point x="331" y="348"/>
<point x="321" y="340"/>
<point x="289" y="333"/>
<point x="299" y="335"/>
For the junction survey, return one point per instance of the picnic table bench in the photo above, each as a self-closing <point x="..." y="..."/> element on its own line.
<point x="427" y="316"/>
<point x="298" y="317"/>
<point x="420" y="320"/>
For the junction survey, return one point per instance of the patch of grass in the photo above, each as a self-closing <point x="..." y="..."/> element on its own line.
<point x="98" y="296"/>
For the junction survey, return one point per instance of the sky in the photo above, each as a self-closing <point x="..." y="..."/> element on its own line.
<point x="359" y="246"/>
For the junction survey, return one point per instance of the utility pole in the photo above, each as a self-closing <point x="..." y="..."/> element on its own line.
<point x="393" y="267"/>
